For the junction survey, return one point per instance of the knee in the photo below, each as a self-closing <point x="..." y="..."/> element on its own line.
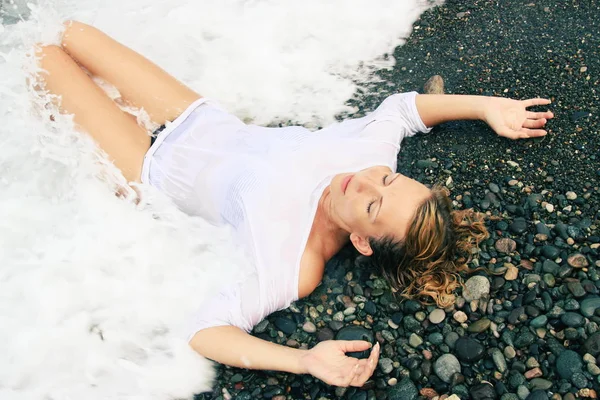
<point x="48" y="53"/>
<point x="72" y="30"/>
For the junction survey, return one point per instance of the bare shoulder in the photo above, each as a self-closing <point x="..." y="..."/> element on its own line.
<point x="312" y="267"/>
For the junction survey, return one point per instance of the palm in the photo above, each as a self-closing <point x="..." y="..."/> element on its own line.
<point x="328" y="362"/>
<point x="511" y="119"/>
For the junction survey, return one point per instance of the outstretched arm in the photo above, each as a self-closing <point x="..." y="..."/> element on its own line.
<point x="507" y="117"/>
<point x="327" y="360"/>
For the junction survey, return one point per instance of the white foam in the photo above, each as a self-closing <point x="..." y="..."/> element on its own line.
<point x="94" y="290"/>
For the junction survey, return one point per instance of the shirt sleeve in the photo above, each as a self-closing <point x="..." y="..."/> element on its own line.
<point x="396" y="118"/>
<point x="238" y="304"/>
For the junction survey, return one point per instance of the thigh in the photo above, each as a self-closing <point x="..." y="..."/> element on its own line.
<point x="140" y="82"/>
<point x="115" y="131"/>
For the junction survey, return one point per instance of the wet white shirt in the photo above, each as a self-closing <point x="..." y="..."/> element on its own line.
<point x="266" y="183"/>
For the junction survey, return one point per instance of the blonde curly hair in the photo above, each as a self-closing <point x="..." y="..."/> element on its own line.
<point x="427" y="263"/>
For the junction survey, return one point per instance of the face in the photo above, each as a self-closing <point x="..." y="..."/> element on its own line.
<point x="375" y="202"/>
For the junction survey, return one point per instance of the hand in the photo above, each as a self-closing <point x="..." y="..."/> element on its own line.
<point x="328" y="362"/>
<point x="510" y="118"/>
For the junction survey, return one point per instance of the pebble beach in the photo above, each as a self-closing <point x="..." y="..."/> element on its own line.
<point x="527" y="328"/>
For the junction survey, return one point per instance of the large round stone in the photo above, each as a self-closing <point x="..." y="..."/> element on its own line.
<point x="537" y="395"/>
<point x="568" y="363"/>
<point x="592" y="344"/>
<point x="446" y="366"/>
<point x="356" y="333"/>
<point x="483" y="391"/>
<point x="589" y="306"/>
<point x="469" y="350"/>
<point x="285" y="325"/>
<point x="403" y="390"/>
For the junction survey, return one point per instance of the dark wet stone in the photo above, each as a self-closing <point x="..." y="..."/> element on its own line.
<point x="529" y="297"/>
<point x="459" y="389"/>
<point x="451" y="339"/>
<point x="568" y="363"/>
<point x="411" y="324"/>
<point x="370" y="308"/>
<point x="540" y="383"/>
<point x="324" y="334"/>
<point x="524" y="339"/>
<point x="592" y="344"/>
<point x="589" y="306"/>
<point x="572" y="319"/>
<point x="518" y="226"/>
<point x="469" y="350"/>
<point x="575" y="233"/>
<point x="397" y="317"/>
<point x="576" y="288"/>
<point x="550" y="251"/>
<point x="285" y="325"/>
<point x="540" y="227"/>
<point x="571" y="305"/>
<point x="427" y="164"/>
<point x="517" y="315"/>
<point x="336" y="325"/>
<point x="564" y="271"/>
<point x="403" y="390"/>
<point x="537" y="395"/>
<point x="561" y="229"/>
<point x="550" y="267"/>
<point x="579" y="380"/>
<point x="497" y="282"/>
<point x="515" y="378"/>
<point x="271" y="391"/>
<point x="483" y="391"/>
<point x="412" y="306"/>
<point x="539" y="322"/>
<point x="436" y="338"/>
<point x="354" y="333"/>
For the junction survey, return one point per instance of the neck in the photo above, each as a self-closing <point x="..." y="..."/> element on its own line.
<point x="330" y="237"/>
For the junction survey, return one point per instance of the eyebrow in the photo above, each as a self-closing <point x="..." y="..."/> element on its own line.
<point x="381" y="200"/>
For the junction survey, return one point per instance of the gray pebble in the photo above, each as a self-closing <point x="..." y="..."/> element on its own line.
<point x="446" y="366"/>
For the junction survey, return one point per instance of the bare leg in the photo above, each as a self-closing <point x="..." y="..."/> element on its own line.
<point x="115" y="131"/>
<point x="140" y="82"/>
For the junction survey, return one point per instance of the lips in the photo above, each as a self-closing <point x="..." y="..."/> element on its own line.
<point x="345" y="183"/>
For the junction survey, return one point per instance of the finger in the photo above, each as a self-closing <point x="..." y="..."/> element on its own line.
<point x="539" y="115"/>
<point x="536" y="102"/>
<point x="354" y="345"/>
<point x="374" y="358"/>
<point x="369" y="368"/>
<point x="529" y="133"/>
<point x="352" y="375"/>
<point x="534" y="123"/>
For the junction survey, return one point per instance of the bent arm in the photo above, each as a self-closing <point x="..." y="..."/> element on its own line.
<point x="435" y="109"/>
<point x="230" y="345"/>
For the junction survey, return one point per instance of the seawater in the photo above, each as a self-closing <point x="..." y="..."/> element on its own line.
<point x="96" y="292"/>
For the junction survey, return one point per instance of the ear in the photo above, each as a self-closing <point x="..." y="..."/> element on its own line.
<point x="361" y="244"/>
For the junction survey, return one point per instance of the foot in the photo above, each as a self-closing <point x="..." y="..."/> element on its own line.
<point x="435" y="85"/>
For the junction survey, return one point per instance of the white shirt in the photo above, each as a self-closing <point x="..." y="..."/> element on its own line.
<point x="266" y="184"/>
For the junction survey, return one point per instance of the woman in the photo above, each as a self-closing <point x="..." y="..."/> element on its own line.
<point x="293" y="197"/>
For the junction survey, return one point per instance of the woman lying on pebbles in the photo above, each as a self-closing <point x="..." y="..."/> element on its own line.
<point x="293" y="197"/>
